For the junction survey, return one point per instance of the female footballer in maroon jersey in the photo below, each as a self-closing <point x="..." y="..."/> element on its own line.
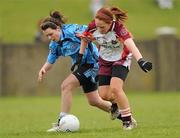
<point x="116" y="48"/>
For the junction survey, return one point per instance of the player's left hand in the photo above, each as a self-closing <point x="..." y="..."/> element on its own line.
<point x="78" y="62"/>
<point x="145" y="65"/>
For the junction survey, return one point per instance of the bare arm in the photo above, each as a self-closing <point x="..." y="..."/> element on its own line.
<point x="83" y="42"/>
<point x="83" y="46"/>
<point x="145" y="65"/>
<point x="132" y="47"/>
<point x="47" y="66"/>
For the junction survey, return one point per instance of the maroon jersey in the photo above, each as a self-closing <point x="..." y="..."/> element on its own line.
<point x="112" y="47"/>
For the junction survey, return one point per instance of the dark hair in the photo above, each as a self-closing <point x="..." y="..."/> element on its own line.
<point x="55" y="19"/>
<point x="109" y="14"/>
<point x="47" y="25"/>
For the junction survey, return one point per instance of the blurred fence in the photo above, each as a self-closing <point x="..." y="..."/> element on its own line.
<point x="20" y="64"/>
<point x="19" y="68"/>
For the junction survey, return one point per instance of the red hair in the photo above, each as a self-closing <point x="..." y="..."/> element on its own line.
<point x="109" y="14"/>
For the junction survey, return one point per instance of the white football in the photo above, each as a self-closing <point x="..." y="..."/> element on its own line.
<point x="69" y="123"/>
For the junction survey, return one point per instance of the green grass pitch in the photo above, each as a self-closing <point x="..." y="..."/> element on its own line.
<point x="157" y="114"/>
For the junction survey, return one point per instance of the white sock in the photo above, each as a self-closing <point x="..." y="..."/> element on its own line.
<point x="61" y="114"/>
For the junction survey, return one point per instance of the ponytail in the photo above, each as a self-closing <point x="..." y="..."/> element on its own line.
<point x="119" y="14"/>
<point x="57" y="18"/>
<point x="54" y="20"/>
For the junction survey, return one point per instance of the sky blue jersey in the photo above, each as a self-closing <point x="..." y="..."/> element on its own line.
<point x="69" y="45"/>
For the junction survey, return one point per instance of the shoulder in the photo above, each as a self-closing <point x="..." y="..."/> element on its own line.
<point x="71" y="29"/>
<point x="73" y="26"/>
<point x="121" y="31"/>
<point x="52" y="44"/>
<point x="53" y="48"/>
<point x="67" y="26"/>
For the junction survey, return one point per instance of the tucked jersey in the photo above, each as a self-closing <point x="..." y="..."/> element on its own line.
<point x="69" y="45"/>
<point x="111" y="44"/>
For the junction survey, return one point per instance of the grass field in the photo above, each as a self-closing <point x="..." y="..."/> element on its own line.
<point x="18" y="18"/>
<point x="158" y="116"/>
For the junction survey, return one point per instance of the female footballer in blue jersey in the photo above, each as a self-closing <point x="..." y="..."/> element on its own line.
<point x="64" y="42"/>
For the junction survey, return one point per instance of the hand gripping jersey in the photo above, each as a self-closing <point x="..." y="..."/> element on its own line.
<point x="111" y="44"/>
<point x="69" y="45"/>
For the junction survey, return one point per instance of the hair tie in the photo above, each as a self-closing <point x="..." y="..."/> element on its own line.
<point x="114" y="17"/>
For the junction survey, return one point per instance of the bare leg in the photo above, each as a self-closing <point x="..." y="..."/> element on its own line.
<point x="105" y="93"/>
<point x="116" y="87"/>
<point x="95" y="100"/>
<point x="123" y="103"/>
<point x="67" y="87"/>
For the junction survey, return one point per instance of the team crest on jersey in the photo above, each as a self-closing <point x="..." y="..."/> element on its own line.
<point x="108" y="40"/>
<point x="123" y="32"/>
<point x="114" y="42"/>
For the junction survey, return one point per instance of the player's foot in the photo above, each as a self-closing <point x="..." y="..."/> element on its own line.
<point x="55" y="127"/>
<point x="114" y="111"/>
<point x="128" y="125"/>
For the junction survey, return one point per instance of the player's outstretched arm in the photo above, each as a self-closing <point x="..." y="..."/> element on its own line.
<point x="145" y="65"/>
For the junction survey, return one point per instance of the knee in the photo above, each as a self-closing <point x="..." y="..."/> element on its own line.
<point x="103" y="96"/>
<point x="65" y="87"/>
<point x="106" y="97"/>
<point x="115" y="91"/>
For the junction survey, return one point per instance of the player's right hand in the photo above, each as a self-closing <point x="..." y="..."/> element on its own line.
<point x="41" y="74"/>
